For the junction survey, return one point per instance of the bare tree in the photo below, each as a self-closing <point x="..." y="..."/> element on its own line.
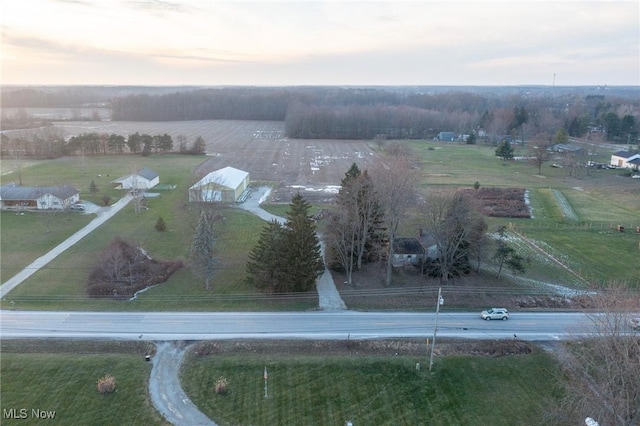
<point x="340" y="237"/>
<point x="603" y="370"/>
<point x="538" y="152"/>
<point x="394" y="181"/>
<point x="455" y="227"/>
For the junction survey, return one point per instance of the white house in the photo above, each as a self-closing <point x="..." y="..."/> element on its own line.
<point x="143" y="179"/>
<point x="226" y="185"/>
<point x="14" y="197"/>
<point x="626" y="159"/>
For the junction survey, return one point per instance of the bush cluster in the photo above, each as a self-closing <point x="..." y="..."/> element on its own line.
<point x="221" y="385"/>
<point x="106" y="384"/>
<point x="124" y="269"/>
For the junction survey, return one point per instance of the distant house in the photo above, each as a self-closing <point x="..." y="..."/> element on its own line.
<point x="414" y="250"/>
<point x="14" y="197"/>
<point x="567" y="149"/>
<point x="626" y="160"/>
<point x="224" y="185"/>
<point x="143" y="179"/>
<point x="446" y="136"/>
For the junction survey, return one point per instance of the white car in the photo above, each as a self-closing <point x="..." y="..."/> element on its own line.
<point x="77" y="206"/>
<point x="495" y="313"/>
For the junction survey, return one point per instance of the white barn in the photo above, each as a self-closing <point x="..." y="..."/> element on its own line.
<point x="226" y="185"/>
<point x="143" y="179"/>
<point x="626" y="159"/>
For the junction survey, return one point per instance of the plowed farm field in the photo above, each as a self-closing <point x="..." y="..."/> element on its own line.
<point x="313" y="167"/>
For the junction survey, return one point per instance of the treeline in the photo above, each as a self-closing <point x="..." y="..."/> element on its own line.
<point x="371" y="112"/>
<point x="50" y="143"/>
<point x="369" y="122"/>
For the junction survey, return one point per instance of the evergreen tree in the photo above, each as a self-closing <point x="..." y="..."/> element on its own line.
<point x="202" y="246"/>
<point x="266" y="262"/>
<point x="301" y="249"/>
<point x="287" y="258"/>
<point x="161" y="225"/>
<point x="504" y="150"/>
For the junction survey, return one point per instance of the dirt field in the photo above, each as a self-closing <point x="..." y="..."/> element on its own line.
<point x="313" y="167"/>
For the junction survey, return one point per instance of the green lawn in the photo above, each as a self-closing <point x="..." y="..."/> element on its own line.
<point x="373" y="390"/>
<point x="64" y="382"/>
<point x="589" y="246"/>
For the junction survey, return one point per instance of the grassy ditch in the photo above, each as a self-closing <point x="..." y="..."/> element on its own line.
<point x="320" y="383"/>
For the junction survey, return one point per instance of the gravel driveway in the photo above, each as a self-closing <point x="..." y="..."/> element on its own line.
<point x="165" y="389"/>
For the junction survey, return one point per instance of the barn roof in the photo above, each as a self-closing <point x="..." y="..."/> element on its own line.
<point x="228" y="176"/>
<point x="624" y="154"/>
<point x="145" y="173"/>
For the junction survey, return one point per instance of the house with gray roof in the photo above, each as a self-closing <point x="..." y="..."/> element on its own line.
<point x="16" y="197"/>
<point x="142" y="179"/>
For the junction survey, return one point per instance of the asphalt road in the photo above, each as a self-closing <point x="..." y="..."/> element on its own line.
<point x="168" y="326"/>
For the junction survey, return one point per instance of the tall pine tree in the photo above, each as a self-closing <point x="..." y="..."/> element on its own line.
<point x="202" y="245"/>
<point x="266" y="262"/>
<point x="287" y="258"/>
<point x="302" y="247"/>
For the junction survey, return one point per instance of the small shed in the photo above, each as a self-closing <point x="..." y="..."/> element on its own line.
<point x="223" y="185"/>
<point x="142" y="179"/>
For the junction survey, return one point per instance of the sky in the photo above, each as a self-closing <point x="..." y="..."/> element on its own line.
<point x="330" y="42"/>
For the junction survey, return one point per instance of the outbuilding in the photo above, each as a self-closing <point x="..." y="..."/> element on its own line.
<point x="223" y="185"/>
<point x="626" y="160"/>
<point x="141" y="180"/>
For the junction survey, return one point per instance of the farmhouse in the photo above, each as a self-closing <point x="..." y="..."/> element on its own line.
<point x="567" y="149"/>
<point x="143" y="179"/>
<point x="626" y="159"/>
<point x="412" y="250"/>
<point x="14" y="197"/>
<point x="225" y="185"/>
<point x="446" y="136"/>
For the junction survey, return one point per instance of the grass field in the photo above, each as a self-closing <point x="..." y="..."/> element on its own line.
<point x="601" y="200"/>
<point x="311" y="389"/>
<point x="61" y="377"/>
<point x="373" y="390"/>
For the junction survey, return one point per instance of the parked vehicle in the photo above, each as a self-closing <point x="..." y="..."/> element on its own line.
<point x="78" y="207"/>
<point x="635" y="323"/>
<point x="495" y="313"/>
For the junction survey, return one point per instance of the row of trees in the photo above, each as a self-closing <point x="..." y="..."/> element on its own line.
<point x="364" y="113"/>
<point x="50" y="143"/>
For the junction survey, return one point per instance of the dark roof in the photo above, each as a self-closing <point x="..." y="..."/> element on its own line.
<point x="407" y="246"/>
<point x="625" y="154"/>
<point x="147" y="173"/>
<point x="14" y="192"/>
<point x="634" y="161"/>
<point x="426" y="240"/>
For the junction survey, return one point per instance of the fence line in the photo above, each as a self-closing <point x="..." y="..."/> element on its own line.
<point x="632" y="228"/>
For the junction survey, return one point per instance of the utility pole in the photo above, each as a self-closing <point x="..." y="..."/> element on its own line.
<point x="435" y="329"/>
